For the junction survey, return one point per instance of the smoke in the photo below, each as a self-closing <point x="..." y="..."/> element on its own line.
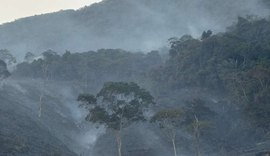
<point x="86" y="134"/>
<point x="140" y="25"/>
<point x="127" y="24"/>
<point x="61" y="115"/>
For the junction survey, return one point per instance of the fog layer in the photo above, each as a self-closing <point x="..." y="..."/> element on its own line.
<point x="132" y="25"/>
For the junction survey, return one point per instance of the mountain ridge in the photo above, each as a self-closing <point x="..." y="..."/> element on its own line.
<point x="133" y="25"/>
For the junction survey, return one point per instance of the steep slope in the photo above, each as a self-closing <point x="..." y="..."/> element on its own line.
<point x="57" y="132"/>
<point x="127" y="24"/>
<point x="234" y="104"/>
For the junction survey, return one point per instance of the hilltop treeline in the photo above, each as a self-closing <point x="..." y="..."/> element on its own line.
<point x="99" y="65"/>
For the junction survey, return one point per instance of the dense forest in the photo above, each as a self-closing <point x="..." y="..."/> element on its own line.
<point x="208" y="95"/>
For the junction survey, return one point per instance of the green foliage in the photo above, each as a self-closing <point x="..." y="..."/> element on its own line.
<point x="236" y="62"/>
<point x="120" y="105"/>
<point x="168" y="119"/>
<point x="87" y="100"/>
<point x="99" y="115"/>
<point x="206" y="34"/>
<point x="6" y="56"/>
<point x="29" y="57"/>
<point x="96" y="67"/>
<point x="3" y="70"/>
<point x="112" y="89"/>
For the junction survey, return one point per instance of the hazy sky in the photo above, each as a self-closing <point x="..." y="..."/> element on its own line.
<point x="14" y="9"/>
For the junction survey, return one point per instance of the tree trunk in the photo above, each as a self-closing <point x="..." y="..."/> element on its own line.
<point x="45" y="79"/>
<point x="119" y="143"/>
<point x="40" y="105"/>
<point x="261" y="82"/>
<point x="197" y="136"/>
<point x="174" y="147"/>
<point x="244" y="92"/>
<point x="198" y="153"/>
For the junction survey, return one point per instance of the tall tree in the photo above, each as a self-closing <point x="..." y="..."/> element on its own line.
<point x="197" y="120"/>
<point x="169" y="120"/>
<point x="49" y="57"/>
<point x="45" y="78"/>
<point x="117" y="106"/>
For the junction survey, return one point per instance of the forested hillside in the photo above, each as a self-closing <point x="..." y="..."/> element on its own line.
<point x="90" y="69"/>
<point x="236" y="62"/>
<point x="218" y="85"/>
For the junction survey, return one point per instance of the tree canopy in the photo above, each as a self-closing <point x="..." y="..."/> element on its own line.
<point x="117" y="104"/>
<point x="4" y="73"/>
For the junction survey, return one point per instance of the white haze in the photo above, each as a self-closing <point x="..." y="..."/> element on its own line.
<point x="128" y="24"/>
<point x="132" y="25"/>
<point x="60" y="106"/>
